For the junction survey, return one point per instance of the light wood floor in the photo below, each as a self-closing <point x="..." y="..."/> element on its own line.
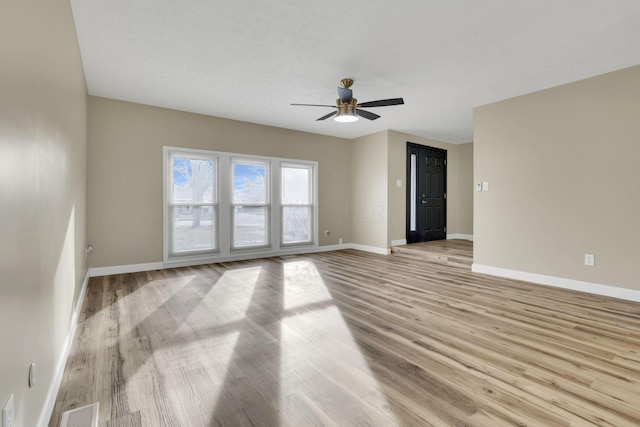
<point x="349" y="338"/>
<point x="455" y="252"/>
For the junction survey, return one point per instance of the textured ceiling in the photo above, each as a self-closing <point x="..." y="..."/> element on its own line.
<point x="248" y="60"/>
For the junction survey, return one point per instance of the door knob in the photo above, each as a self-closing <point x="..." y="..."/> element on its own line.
<point x="424" y="202"/>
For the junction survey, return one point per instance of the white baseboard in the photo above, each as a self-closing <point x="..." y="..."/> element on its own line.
<point x="399" y="242"/>
<point x="122" y="269"/>
<point x="330" y="248"/>
<point x="559" y="282"/>
<point x="54" y="386"/>
<point x="135" y="268"/>
<point x="460" y="236"/>
<point x="372" y="249"/>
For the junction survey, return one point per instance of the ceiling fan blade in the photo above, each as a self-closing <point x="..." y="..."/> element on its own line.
<point x="367" y="114"/>
<point x="382" y="103"/>
<point x="346" y="95"/>
<point x="327" y="116"/>
<point x="315" y="105"/>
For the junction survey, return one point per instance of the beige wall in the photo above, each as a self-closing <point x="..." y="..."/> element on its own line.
<point x="356" y="178"/>
<point x="125" y="172"/>
<point x="459" y="198"/>
<point x="369" y="190"/>
<point x="464" y="202"/>
<point x="562" y="167"/>
<point x="43" y="189"/>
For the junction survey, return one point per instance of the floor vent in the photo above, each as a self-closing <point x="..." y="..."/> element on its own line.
<point x="87" y="416"/>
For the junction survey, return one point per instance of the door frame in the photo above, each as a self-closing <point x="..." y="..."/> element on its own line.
<point x="408" y="181"/>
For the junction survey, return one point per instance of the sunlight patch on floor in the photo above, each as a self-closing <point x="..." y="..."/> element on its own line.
<point x="303" y="285"/>
<point x="315" y="339"/>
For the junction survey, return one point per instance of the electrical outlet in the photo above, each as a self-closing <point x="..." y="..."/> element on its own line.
<point x="9" y="413"/>
<point x="590" y="260"/>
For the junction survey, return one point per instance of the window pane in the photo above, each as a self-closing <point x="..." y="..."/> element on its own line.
<point x="193" y="228"/>
<point x="296" y="224"/>
<point x="295" y="186"/>
<point x="249" y="183"/>
<point x="249" y="226"/>
<point x="193" y="180"/>
<point x="413" y="196"/>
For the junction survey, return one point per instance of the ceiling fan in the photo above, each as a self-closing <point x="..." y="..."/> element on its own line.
<point x="347" y="107"/>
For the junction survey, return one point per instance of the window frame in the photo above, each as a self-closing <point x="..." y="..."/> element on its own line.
<point x="224" y="205"/>
<point x="310" y="204"/>
<point x="170" y="204"/>
<point x="248" y="160"/>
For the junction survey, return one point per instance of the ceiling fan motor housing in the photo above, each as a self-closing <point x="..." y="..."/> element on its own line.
<point x="352" y="104"/>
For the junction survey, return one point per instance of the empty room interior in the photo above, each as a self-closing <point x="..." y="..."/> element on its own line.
<point x="338" y="213"/>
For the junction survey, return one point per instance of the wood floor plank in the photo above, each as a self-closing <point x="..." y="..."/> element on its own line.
<point x="350" y="338"/>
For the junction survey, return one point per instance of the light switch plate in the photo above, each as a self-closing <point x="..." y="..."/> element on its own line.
<point x="9" y="413"/>
<point x="485" y="186"/>
<point x="398" y="183"/>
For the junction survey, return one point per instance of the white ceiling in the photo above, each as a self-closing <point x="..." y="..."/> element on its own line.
<point x="249" y="59"/>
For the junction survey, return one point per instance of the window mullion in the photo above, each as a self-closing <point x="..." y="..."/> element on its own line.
<point x="276" y="199"/>
<point x="225" y="202"/>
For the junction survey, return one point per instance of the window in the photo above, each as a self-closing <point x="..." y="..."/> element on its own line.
<point x="297" y="204"/>
<point x="250" y="203"/>
<point x="192" y="204"/>
<point x="221" y="205"/>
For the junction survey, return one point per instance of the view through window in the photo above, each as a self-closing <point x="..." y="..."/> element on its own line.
<point x="250" y="203"/>
<point x="193" y="204"/>
<point x="296" y="204"/>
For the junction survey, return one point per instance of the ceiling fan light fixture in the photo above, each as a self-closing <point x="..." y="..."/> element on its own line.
<point x="347" y="108"/>
<point x="346" y="115"/>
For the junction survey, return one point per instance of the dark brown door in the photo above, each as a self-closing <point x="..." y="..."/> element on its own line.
<point x="426" y="193"/>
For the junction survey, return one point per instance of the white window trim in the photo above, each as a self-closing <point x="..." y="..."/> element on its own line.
<point x="224" y="203"/>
